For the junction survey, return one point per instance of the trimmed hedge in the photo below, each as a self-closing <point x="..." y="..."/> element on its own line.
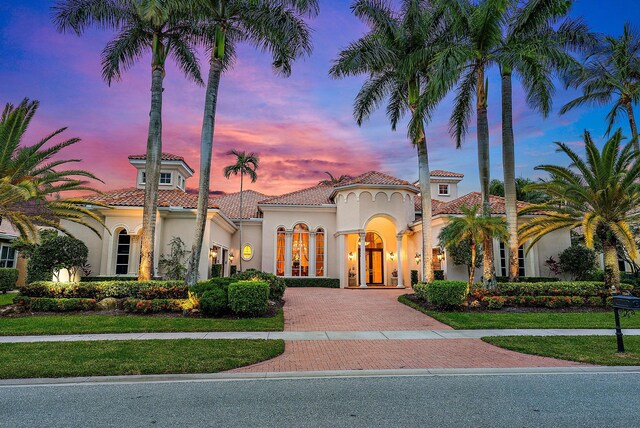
<point x="277" y="284"/>
<point x="212" y="284"/>
<point x="312" y="282"/>
<point x="249" y="298"/>
<point x="214" y="302"/>
<point x="107" y="278"/>
<point x="8" y="279"/>
<point x="140" y="306"/>
<point x="564" y="288"/>
<point x="46" y="304"/>
<point x="145" y="290"/>
<point x="497" y="302"/>
<point x="444" y="294"/>
<point x="529" y="279"/>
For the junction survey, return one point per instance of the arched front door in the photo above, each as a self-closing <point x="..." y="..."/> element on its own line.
<point x="374" y="259"/>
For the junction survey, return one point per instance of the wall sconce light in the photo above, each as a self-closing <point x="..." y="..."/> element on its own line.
<point x="352" y="255"/>
<point x="213" y="253"/>
<point x="440" y="257"/>
<point x="392" y="256"/>
<point x="231" y="257"/>
<point x="418" y="258"/>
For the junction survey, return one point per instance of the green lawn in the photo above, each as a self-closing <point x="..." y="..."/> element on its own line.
<point x="79" y="324"/>
<point x="600" y="350"/>
<point x="7" y="299"/>
<point x="130" y="357"/>
<point x="488" y="320"/>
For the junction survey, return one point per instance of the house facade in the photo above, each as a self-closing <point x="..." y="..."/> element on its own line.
<point x="366" y="231"/>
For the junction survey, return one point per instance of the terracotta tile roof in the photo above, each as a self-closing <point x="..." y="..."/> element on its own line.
<point x="435" y="204"/>
<point x="316" y="195"/>
<point x="135" y="198"/>
<point x="443" y="173"/>
<point x="374" y="177"/>
<point x="471" y="199"/>
<point x="165" y="157"/>
<point x="230" y="204"/>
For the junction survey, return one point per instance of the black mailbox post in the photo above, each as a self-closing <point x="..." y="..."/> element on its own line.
<point x="625" y="303"/>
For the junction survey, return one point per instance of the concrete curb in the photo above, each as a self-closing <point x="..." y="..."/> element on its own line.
<point x="226" y="377"/>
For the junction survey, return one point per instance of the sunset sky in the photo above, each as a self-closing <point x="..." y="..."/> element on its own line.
<point x="300" y="126"/>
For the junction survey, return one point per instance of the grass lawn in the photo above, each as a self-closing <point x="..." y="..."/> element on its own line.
<point x="488" y="320"/>
<point x="600" y="350"/>
<point x="109" y="358"/>
<point x="79" y="324"/>
<point x="7" y="299"/>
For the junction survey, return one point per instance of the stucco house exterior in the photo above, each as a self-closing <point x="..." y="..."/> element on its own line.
<point x="364" y="231"/>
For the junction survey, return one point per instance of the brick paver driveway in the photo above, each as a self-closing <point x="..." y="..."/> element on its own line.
<point x="322" y="309"/>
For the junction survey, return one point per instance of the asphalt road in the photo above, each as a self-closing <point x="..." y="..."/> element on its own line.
<point x="567" y="400"/>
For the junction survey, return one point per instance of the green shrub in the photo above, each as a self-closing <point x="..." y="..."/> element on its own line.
<point x="414" y="277"/>
<point x="214" y="302"/>
<point x="494" y="302"/>
<point x="578" y="261"/>
<point x="277" y="284"/>
<point x="46" y="304"/>
<point x="249" y="298"/>
<point x="216" y="271"/>
<point x="233" y="269"/>
<point x="140" y="306"/>
<point x="214" y="283"/>
<point x="101" y="290"/>
<point x="321" y="282"/>
<point x="557" y="288"/>
<point x="553" y="302"/>
<point x="107" y="278"/>
<point x="445" y="294"/>
<point x="8" y="279"/>
<point x="420" y="291"/>
<point x="438" y="275"/>
<point x="530" y="279"/>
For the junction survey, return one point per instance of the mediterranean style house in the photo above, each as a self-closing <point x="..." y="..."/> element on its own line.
<point x="364" y="231"/>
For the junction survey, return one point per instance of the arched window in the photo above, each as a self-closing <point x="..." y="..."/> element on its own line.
<point x="320" y="252"/>
<point x="372" y="240"/>
<point x="122" y="253"/>
<point x="280" y="248"/>
<point x="300" y="250"/>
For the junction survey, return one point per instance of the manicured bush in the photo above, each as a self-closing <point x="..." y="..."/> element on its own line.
<point x="153" y="306"/>
<point x="249" y="298"/>
<point x="312" y="282"/>
<point x="553" y="302"/>
<point x="414" y="277"/>
<point x="443" y="294"/>
<point x="530" y="279"/>
<point x="46" y="304"/>
<point x="558" y="288"/>
<point x="8" y="279"/>
<point x="233" y="269"/>
<point x="102" y="290"/>
<point x="214" y="302"/>
<point x="107" y="278"/>
<point x="578" y="261"/>
<point x="214" y="283"/>
<point x="438" y="275"/>
<point x="277" y="284"/>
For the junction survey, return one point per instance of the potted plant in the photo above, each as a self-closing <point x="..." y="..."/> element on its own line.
<point x="394" y="278"/>
<point x="352" y="277"/>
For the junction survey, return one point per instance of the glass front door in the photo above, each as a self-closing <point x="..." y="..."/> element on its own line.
<point x="374" y="268"/>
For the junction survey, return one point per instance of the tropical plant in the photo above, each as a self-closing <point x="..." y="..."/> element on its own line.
<point x="599" y="194"/>
<point x="63" y="252"/>
<point x="274" y="26"/>
<point x="333" y="181"/>
<point x="578" y="261"/>
<point x="244" y="164"/>
<point x="163" y="28"/>
<point x="476" y="229"/>
<point x="173" y="264"/>
<point x="533" y="46"/>
<point x="31" y="182"/>
<point x="396" y="55"/>
<point x="611" y="74"/>
<point x="533" y="197"/>
<point x="460" y="254"/>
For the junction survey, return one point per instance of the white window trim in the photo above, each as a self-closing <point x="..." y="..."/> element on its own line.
<point x="442" y="193"/>
<point x="170" y="178"/>
<point x="15" y="254"/>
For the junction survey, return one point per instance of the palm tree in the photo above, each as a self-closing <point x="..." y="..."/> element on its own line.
<point x="478" y="30"/>
<point x="275" y="26"/>
<point x="245" y="164"/>
<point x="611" y="74"/>
<point x="332" y="181"/>
<point x="534" y="197"/>
<point x="533" y="49"/>
<point x="163" y="27"/>
<point x="599" y="193"/>
<point x="395" y="55"/>
<point x="475" y="228"/>
<point x="31" y="183"/>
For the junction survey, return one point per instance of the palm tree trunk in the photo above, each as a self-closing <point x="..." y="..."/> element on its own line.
<point x="632" y="123"/>
<point x="508" y="166"/>
<point x="611" y="268"/>
<point x="484" y="167"/>
<point x="206" y="149"/>
<point x="425" y="199"/>
<point x="472" y="270"/>
<point x="241" y="242"/>
<point x="152" y="177"/>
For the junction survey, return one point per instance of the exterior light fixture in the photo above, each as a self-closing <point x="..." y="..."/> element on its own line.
<point x="418" y="258"/>
<point x="392" y="255"/>
<point x="440" y="257"/>
<point x="230" y="257"/>
<point x="352" y="255"/>
<point x="213" y="252"/>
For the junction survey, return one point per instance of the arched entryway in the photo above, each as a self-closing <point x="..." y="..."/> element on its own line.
<point x="374" y="259"/>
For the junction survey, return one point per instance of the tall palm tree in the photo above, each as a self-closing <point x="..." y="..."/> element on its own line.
<point x="246" y="163"/>
<point x="478" y="29"/>
<point x="475" y="228"/>
<point x="533" y="48"/>
<point x="599" y="193"/>
<point x="162" y="27"/>
<point x="31" y="181"/>
<point x="395" y="55"/>
<point x="275" y="26"/>
<point x="611" y="74"/>
<point x="332" y="180"/>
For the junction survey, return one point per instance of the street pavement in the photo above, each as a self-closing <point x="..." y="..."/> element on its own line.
<point x="484" y="399"/>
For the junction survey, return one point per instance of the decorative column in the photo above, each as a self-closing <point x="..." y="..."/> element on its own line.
<point x="362" y="260"/>
<point x="400" y="267"/>
<point x="288" y="244"/>
<point x="342" y="239"/>
<point x="134" y="259"/>
<point x="312" y="254"/>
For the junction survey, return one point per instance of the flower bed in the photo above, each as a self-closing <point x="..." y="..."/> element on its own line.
<point x="101" y="290"/>
<point x="139" y="306"/>
<point x="47" y="304"/>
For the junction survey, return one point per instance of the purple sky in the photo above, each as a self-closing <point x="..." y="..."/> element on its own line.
<point x="300" y="126"/>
